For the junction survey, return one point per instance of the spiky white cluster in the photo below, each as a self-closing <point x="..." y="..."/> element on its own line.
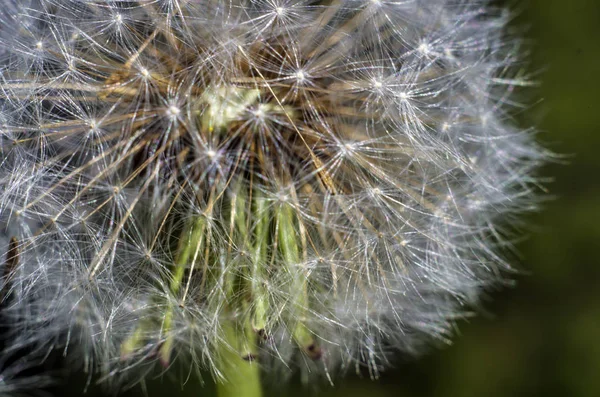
<point x="330" y="179"/>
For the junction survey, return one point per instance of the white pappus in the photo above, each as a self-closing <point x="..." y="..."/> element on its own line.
<point x="331" y="181"/>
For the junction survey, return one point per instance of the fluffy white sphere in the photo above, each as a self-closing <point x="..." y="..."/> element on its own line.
<point x="331" y="179"/>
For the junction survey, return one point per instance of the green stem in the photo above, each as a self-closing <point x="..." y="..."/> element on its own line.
<point x="259" y="260"/>
<point x="241" y="373"/>
<point x="237" y="352"/>
<point x="288" y="241"/>
<point x="188" y="251"/>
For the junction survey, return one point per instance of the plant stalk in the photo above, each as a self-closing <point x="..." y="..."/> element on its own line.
<point x="241" y="374"/>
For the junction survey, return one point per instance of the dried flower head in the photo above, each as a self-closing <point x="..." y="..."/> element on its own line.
<point x="310" y="184"/>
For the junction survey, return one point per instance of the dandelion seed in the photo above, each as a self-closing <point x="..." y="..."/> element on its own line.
<point x="424" y="48"/>
<point x="173" y="111"/>
<point x="300" y="76"/>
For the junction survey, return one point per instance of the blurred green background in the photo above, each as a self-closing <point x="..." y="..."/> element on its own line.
<point x="542" y="338"/>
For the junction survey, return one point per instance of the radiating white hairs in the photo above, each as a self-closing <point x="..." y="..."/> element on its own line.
<point x="332" y="177"/>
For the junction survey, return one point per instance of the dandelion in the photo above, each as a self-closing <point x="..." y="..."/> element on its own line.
<point x="254" y="186"/>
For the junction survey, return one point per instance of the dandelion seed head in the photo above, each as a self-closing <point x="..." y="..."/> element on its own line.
<point x="336" y="177"/>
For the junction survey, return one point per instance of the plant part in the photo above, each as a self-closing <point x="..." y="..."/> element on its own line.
<point x="18" y="378"/>
<point x="254" y="185"/>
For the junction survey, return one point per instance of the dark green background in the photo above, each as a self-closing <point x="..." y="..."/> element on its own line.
<point x="542" y="337"/>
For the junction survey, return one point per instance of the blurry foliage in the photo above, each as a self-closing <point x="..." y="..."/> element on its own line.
<point x="540" y="338"/>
